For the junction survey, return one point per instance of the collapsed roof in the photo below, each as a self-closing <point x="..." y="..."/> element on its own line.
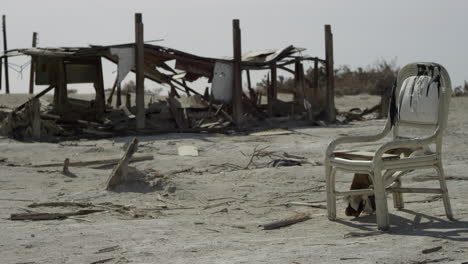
<point x="188" y="66"/>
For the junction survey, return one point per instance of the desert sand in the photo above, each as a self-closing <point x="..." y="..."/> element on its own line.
<point x="209" y="208"/>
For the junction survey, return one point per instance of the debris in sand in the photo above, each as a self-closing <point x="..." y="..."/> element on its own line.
<point x="60" y="204"/>
<point x="362" y="234"/>
<point x="284" y="163"/>
<point x="102" y="261"/>
<point x="431" y="250"/>
<point x="51" y="216"/>
<point x="119" y="174"/>
<point x="107" y="249"/>
<point x="272" y="132"/>
<point x="299" y="217"/>
<point x="65" y="169"/>
<point x="187" y="151"/>
<point x="103" y="162"/>
<point x="304" y="204"/>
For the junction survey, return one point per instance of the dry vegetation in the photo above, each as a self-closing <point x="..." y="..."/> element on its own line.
<point x="373" y="79"/>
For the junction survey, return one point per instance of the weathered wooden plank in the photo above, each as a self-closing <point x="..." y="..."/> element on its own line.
<point x="299" y="217"/>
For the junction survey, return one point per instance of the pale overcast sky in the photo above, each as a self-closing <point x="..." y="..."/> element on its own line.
<point x="364" y="31"/>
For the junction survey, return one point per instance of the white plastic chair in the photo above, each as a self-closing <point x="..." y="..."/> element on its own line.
<point x="385" y="173"/>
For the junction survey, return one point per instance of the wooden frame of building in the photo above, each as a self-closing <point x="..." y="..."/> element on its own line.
<point x="151" y="62"/>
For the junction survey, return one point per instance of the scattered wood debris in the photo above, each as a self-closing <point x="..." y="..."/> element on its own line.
<point x="431" y="250"/>
<point x="60" y="204"/>
<point x="102" y="261"/>
<point x="304" y="204"/>
<point x="103" y="162"/>
<point x="299" y="217"/>
<point x="108" y="249"/>
<point x="51" y="216"/>
<point x="272" y="132"/>
<point x="362" y="234"/>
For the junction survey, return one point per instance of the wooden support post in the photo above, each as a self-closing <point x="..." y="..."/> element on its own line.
<point x="330" y="98"/>
<point x="139" y="70"/>
<point x="33" y="65"/>
<point x="119" y="95"/>
<point x="299" y="91"/>
<point x="128" y="100"/>
<point x="316" y="74"/>
<point x="252" y="93"/>
<point x="1" y="73"/>
<point x="34" y="113"/>
<point x="237" y="73"/>
<point x="272" y="90"/>
<point x="99" y="87"/>
<point x="60" y="96"/>
<point x="5" y="60"/>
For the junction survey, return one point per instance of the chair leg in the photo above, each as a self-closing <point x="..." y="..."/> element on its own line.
<point x="443" y="187"/>
<point x="381" y="210"/>
<point x="331" y="196"/>
<point x="398" y="201"/>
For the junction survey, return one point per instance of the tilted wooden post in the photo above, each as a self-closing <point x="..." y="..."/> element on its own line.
<point x="330" y="94"/>
<point x="237" y="73"/>
<point x="33" y="66"/>
<point x="7" y="81"/>
<point x="139" y="70"/>
<point x="119" y="174"/>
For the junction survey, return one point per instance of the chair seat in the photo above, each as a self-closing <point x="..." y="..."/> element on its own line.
<point x="361" y="155"/>
<point x="361" y="161"/>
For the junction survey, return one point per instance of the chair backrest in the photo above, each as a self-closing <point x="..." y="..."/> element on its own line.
<point x="422" y="96"/>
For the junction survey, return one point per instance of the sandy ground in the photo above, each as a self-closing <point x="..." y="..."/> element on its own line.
<point x="214" y="212"/>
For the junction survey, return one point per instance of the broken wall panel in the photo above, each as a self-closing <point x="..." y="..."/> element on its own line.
<point x="221" y="86"/>
<point x="76" y="71"/>
<point x="126" y="61"/>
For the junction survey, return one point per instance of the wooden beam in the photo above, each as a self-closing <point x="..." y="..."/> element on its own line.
<point x="237" y="73"/>
<point x="139" y="69"/>
<point x="330" y="104"/>
<point x="5" y="60"/>
<point x="33" y="65"/>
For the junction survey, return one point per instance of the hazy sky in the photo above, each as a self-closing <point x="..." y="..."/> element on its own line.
<point x="364" y="31"/>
